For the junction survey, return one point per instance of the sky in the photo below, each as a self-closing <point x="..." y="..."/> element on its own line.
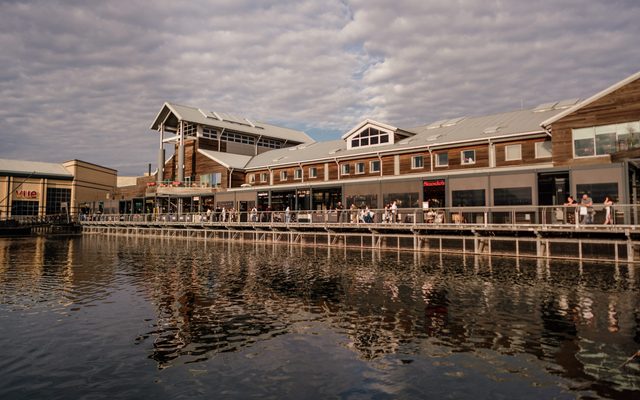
<point x="85" y="79"/>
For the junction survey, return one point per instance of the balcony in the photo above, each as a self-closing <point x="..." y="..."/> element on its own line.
<point x="177" y="188"/>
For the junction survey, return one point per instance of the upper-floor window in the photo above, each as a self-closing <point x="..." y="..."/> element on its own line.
<point x="270" y="143"/>
<point x="297" y="173"/>
<point x="313" y="172"/>
<point x="252" y="178"/>
<point x="606" y="139"/>
<point x="513" y="152"/>
<point x="370" y="137"/>
<point x="264" y="177"/>
<point x="345" y="169"/>
<point x="284" y="175"/>
<point x="360" y="168"/>
<point x="209" y="133"/>
<point x="374" y="166"/>
<point x="543" y="149"/>
<point x="417" y="162"/>
<point x="237" y="138"/>
<point x="467" y="157"/>
<point x="190" y="129"/>
<point x="442" y="159"/>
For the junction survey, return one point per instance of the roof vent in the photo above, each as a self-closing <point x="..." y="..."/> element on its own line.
<point x="434" y="137"/>
<point x="407" y="140"/>
<point x="453" y="121"/>
<point x="436" y="124"/>
<point x="491" y="129"/>
<point x="545" y="107"/>
<point x="334" y="151"/>
<point x="566" y="104"/>
<point x="279" y="158"/>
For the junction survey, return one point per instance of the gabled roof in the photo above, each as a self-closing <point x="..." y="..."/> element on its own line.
<point x="228" y="160"/>
<point x="444" y="133"/>
<point x="227" y="121"/>
<point x="34" y="168"/>
<point x="591" y="99"/>
<point x="372" y="123"/>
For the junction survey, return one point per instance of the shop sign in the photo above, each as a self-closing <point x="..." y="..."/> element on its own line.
<point x="26" y="194"/>
<point x="438" y="182"/>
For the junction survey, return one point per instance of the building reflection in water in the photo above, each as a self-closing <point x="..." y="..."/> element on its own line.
<point x="580" y="320"/>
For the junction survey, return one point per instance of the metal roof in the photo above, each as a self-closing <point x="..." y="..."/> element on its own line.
<point x="591" y="99"/>
<point x="229" y="160"/>
<point x="35" y="168"/>
<point x="464" y="130"/>
<point x="228" y="121"/>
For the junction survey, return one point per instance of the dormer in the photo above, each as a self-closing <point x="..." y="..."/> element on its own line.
<point x="370" y="133"/>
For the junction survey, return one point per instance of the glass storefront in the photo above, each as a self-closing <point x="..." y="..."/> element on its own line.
<point x="403" y="200"/>
<point x="434" y="192"/>
<point x="468" y="198"/>
<point x="520" y="196"/>
<point x="326" y="198"/>
<point x="24" y="208"/>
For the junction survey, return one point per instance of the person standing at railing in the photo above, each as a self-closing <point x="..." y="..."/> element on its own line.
<point x="608" y="203"/>
<point x="339" y="208"/>
<point x="223" y="214"/>
<point x="394" y="212"/>
<point x="287" y="215"/>
<point x="570" y="213"/>
<point x="254" y="214"/>
<point x="586" y="209"/>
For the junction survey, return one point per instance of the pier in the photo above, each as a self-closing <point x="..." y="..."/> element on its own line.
<point x="534" y="232"/>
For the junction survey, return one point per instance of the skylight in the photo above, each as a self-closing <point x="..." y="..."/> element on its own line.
<point x="491" y="129"/>
<point x="545" y="107"/>
<point x="453" y="121"/>
<point x="436" y="124"/>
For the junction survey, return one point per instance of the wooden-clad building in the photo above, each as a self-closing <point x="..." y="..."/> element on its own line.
<point x="533" y="157"/>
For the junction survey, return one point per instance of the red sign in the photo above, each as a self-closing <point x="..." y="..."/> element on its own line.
<point x="438" y="182"/>
<point x="26" y="194"/>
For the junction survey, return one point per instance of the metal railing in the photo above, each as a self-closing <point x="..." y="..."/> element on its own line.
<point x="504" y="216"/>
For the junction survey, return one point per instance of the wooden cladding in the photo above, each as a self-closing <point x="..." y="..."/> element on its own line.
<point x="622" y="105"/>
<point x="528" y="153"/>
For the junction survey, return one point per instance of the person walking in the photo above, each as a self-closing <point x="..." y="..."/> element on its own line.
<point x="287" y="215"/>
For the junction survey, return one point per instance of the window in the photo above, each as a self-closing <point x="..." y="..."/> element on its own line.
<point x="403" y="200"/>
<point x="467" y="157"/>
<point x="469" y="198"/>
<point x="344" y="169"/>
<point x="263" y="177"/>
<point x="513" y="152"/>
<point x="270" y="143"/>
<point x="237" y="138"/>
<point x="313" y="172"/>
<point x="55" y="198"/>
<point x="442" y="159"/>
<point x="417" y="162"/>
<point x="605" y="139"/>
<point x="209" y="133"/>
<point x="297" y="173"/>
<point x="543" y="149"/>
<point x="374" y="166"/>
<point x="512" y="196"/>
<point x="370" y="137"/>
<point x="597" y="191"/>
<point x="252" y="178"/>
<point x="360" y="168"/>
<point x="284" y="175"/>
<point x="24" y="207"/>
<point x="362" y="200"/>
<point x="211" y="180"/>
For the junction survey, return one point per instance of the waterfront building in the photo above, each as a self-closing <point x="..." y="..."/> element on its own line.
<point x="531" y="157"/>
<point x="38" y="189"/>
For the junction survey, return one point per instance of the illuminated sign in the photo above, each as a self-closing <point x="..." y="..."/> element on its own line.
<point x="26" y="194"/>
<point x="437" y="182"/>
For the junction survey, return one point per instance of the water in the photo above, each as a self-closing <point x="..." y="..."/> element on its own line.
<point x="96" y="317"/>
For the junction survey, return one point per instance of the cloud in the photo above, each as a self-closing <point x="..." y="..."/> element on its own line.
<point x="80" y="81"/>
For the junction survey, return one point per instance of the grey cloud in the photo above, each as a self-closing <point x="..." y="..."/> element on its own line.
<point x="80" y="81"/>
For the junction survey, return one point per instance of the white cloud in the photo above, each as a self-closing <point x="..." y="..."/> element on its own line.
<point x="85" y="82"/>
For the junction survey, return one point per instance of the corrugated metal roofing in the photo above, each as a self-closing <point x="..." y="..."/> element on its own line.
<point x="210" y="118"/>
<point x="432" y="135"/>
<point x="229" y="160"/>
<point x="33" y="167"/>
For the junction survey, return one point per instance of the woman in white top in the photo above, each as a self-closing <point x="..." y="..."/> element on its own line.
<point x="608" y="220"/>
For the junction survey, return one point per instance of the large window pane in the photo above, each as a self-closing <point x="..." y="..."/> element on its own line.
<point x="512" y="196"/>
<point x="55" y="198"/>
<point x="404" y="200"/>
<point x="469" y="198"/>
<point x="597" y="191"/>
<point x="605" y="143"/>
<point x="583" y="147"/>
<point x="543" y="149"/>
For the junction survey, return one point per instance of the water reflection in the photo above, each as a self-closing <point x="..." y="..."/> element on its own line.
<point x="580" y="321"/>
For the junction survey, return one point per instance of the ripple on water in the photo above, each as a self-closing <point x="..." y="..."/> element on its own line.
<point x="125" y="316"/>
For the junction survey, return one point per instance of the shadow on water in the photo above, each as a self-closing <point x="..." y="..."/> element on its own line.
<point x="579" y="321"/>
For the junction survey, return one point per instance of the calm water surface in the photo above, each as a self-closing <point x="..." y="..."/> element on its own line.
<point x="93" y="317"/>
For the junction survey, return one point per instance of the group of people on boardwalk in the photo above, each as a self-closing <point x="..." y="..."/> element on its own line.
<point x="586" y="212"/>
